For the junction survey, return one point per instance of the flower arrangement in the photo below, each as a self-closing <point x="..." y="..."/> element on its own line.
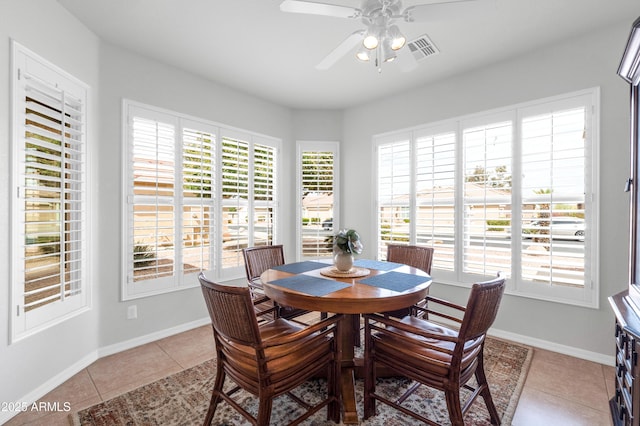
<point x="347" y="241"/>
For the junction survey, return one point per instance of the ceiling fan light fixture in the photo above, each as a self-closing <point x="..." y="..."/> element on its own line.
<point x="370" y="40"/>
<point x="363" y="54"/>
<point x="398" y="40"/>
<point x="388" y="53"/>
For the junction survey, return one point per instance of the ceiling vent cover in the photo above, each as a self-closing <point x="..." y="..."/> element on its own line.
<point x="422" y="48"/>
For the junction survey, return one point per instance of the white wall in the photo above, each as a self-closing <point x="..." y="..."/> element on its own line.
<point x="29" y="366"/>
<point x="576" y="64"/>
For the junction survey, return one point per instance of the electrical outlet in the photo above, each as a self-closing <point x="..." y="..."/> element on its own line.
<point x="132" y="312"/>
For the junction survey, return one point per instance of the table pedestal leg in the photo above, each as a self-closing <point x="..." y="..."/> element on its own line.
<point x="347" y="381"/>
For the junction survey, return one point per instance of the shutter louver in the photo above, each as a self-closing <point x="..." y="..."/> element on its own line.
<point x="264" y="194"/>
<point x="317" y="188"/>
<point x="53" y="194"/>
<point x="235" y="201"/>
<point x="435" y="196"/>
<point x="198" y="168"/>
<point x="394" y="193"/>
<point x="487" y="198"/>
<point x="153" y="158"/>
<point x="553" y="200"/>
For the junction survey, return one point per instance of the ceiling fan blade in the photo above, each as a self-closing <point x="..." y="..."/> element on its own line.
<point x="447" y="10"/>
<point x="315" y="8"/>
<point x="343" y="48"/>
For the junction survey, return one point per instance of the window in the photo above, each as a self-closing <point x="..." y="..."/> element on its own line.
<point x="49" y="211"/>
<point x="196" y="194"/>
<point x="317" y="193"/>
<point x="511" y="191"/>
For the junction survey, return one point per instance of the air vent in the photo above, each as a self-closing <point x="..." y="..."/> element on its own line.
<point x="422" y="48"/>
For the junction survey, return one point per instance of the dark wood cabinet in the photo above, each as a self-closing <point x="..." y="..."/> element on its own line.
<point x="625" y="405"/>
<point x="625" y="408"/>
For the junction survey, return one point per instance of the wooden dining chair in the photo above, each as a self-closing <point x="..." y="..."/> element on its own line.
<point x="268" y="359"/>
<point x="433" y="354"/>
<point x="420" y="257"/>
<point x="257" y="260"/>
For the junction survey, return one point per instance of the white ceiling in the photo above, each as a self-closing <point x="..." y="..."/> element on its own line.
<point x="252" y="46"/>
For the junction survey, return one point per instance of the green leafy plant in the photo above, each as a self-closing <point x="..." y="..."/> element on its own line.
<point x="347" y="241"/>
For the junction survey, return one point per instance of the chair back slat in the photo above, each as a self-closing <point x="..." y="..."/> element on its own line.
<point x="232" y="312"/>
<point x="482" y="308"/>
<point x="419" y="257"/>
<point x="260" y="258"/>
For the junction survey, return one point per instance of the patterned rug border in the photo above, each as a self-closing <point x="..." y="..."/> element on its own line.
<point x="113" y="419"/>
<point x="507" y="417"/>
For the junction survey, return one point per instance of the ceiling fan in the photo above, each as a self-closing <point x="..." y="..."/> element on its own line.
<point x="381" y="41"/>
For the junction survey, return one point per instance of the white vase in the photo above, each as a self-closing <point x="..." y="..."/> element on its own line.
<point x="343" y="261"/>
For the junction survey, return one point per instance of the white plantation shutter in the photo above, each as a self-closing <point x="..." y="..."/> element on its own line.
<point x="151" y="247"/>
<point x="510" y="191"/>
<point x="264" y="193"/>
<point x="435" y="195"/>
<point x="50" y="208"/>
<point x="395" y="170"/>
<point x="317" y="195"/>
<point x="554" y="205"/>
<point x="235" y="200"/>
<point x="486" y="215"/>
<point x="198" y="194"/>
<point x="249" y="204"/>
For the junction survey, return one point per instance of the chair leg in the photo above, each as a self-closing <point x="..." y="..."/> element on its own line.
<point x="215" y="395"/>
<point x="264" y="410"/>
<point x="369" y="377"/>
<point x="333" y="387"/>
<point x="356" y="330"/>
<point x="481" y="378"/>
<point x="454" y="407"/>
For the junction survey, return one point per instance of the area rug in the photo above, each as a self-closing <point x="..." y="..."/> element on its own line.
<point x="182" y="399"/>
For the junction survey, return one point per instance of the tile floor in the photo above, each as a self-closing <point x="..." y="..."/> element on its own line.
<point x="559" y="390"/>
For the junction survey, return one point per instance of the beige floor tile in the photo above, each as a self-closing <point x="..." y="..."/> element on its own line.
<point x="581" y="367"/>
<point x="537" y="408"/>
<point x="610" y="379"/>
<point x="190" y="348"/>
<point x="130" y="369"/>
<point x="582" y="382"/>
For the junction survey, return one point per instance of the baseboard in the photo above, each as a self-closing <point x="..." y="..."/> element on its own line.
<point x="544" y="344"/>
<point x="555" y="347"/>
<point x="152" y="337"/>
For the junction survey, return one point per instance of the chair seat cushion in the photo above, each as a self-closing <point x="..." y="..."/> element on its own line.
<point x="281" y="359"/>
<point x="432" y="360"/>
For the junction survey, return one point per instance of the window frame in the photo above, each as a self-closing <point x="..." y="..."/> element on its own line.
<point x="26" y="65"/>
<point x="179" y="280"/>
<point x="587" y="295"/>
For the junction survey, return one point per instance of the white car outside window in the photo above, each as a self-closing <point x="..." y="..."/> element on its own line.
<point x="560" y="228"/>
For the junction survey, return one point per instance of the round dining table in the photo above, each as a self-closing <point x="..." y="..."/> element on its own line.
<point x="371" y="286"/>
